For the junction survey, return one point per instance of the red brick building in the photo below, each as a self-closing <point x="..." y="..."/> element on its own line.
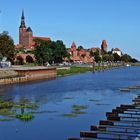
<point x="104" y="46"/>
<point x="26" y="38"/>
<point x="82" y="55"/>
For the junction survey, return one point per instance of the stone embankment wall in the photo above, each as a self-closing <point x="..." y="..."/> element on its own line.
<point x="30" y="75"/>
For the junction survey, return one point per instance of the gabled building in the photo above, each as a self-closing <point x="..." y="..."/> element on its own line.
<point x="82" y="55"/>
<point x="117" y="51"/>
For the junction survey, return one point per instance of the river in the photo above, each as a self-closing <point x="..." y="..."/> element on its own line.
<point x="57" y="116"/>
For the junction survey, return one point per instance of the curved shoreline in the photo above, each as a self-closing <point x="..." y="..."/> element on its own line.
<point x="35" y="74"/>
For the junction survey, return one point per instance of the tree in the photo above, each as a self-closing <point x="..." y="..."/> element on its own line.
<point x="133" y="60"/>
<point x="110" y="58"/>
<point x="109" y="52"/>
<point x="126" y="58"/>
<point x="80" y="47"/>
<point x="42" y="52"/>
<point x="7" y="47"/>
<point x="105" y="57"/>
<point x="49" y="51"/>
<point x="59" y="51"/>
<point x="96" y="56"/>
<point x="116" y="57"/>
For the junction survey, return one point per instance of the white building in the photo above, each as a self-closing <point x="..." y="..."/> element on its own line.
<point x="117" y="51"/>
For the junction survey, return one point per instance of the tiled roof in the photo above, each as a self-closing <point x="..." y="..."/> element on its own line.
<point x="42" y="38"/>
<point x="29" y="29"/>
<point x="116" y="49"/>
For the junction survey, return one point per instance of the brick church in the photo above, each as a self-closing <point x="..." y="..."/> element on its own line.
<point x="26" y="38"/>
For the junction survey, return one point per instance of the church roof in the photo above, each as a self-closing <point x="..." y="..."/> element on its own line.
<point x="116" y="49"/>
<point x="104" y="44"/>
<point x="73" y="45"/>
<point x="29" y="29"/>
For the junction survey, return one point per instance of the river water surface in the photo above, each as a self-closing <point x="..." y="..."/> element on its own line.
<point x="57" y="117"/>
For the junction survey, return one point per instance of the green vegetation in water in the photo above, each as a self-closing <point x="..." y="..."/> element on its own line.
<point x="11" y="109"/>
<point x="5" y="119"/>
<point x="7" y="112"/>
<point x="6" y="104"/>
<point x="70" y="115"/>
<point x="79" y="107"/>
<point x="25" y="116"/>
<point x="76" y="111"/>
<point x="27" y="106"/>
<point x="73" y="70"/>
<point x="43" y="112"/>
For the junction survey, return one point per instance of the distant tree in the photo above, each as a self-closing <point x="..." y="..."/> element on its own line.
<point x="80" y="47"/>
<point x="116" y="57"/>
<point x="111" y="58"/>
<point x="105" y="57"/>
<point x="7" y="47"/>
<point x="126" y="58"/>
<point x="133" y="60"/>
<point x="68" y="57"/>
<point x="109" y="52"/>
<point x="96" y="56"/>
<point x="103" y="52"/>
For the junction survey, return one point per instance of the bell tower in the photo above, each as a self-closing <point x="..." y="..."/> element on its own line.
<point x="22" y="31"/>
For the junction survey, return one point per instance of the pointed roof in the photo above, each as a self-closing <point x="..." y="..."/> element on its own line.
<point x="22" y="14"/>
<point x="104" y="44"/>
<point x="29" y="29"/>
<point x="22" y="25"/>
<point x="73" y="45"/>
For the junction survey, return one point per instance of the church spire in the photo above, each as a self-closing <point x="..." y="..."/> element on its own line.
<point x="22" y="25"/>
<point x="22" y="14"/>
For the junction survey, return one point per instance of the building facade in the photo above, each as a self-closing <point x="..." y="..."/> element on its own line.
<point x="117" y="51"/>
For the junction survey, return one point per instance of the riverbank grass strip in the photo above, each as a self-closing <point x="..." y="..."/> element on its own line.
<point x="73" y="70"/>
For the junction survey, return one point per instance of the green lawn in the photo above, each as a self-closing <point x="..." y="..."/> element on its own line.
<point x="73" y="70"/>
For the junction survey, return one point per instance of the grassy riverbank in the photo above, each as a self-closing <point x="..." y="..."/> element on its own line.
<point x="75" y="70"/>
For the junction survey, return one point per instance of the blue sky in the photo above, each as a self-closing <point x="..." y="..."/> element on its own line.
<point x="87" y="22"/>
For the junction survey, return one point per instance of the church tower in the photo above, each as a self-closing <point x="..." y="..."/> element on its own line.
<point x="25" y="34"/>
<point x="104" y="46"/>
<point x="22" y="31"/>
